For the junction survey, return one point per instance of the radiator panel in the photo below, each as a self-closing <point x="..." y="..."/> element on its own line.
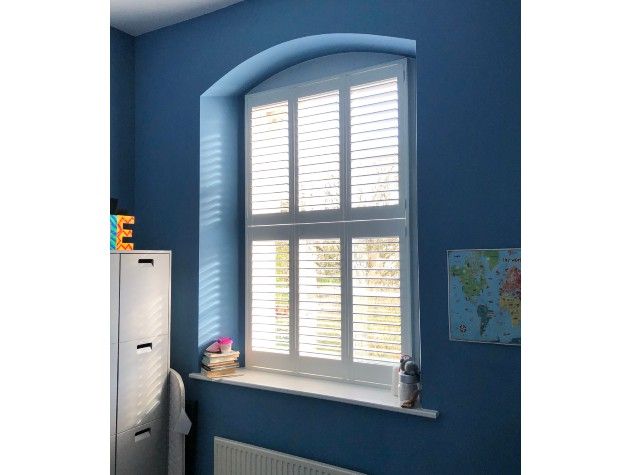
<point x="236" y="458"/>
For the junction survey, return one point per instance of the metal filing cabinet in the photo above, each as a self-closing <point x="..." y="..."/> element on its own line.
<point x="140" y="348"/>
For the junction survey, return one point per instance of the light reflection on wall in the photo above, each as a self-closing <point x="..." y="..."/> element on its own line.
<point x="219" y="228"/>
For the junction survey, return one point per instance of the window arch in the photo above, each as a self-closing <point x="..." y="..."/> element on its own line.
<point x="221" y="293"/>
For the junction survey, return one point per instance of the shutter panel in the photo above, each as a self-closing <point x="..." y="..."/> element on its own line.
<point x="318" y="152"/>
<point x="376" y="307"/>
<point x="374" y="144"/>
<point x="270" y="158"/>
<point x="270" y="313"/>
<point x="328" y="279"/>
<point x="320" y="298"/>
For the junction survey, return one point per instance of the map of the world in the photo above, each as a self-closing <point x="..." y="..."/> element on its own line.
<point x="485" y="295"/>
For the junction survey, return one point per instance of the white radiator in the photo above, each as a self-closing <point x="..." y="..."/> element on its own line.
<point x="236" y="458"/>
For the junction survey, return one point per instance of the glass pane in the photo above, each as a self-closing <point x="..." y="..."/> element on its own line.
<point x="374" y="150"/>
<point x="320" y="298"/>
<point x="270" y="158"/>
<point x="270" y="311"/>
<point x="376" y="306"/>
<point x="318" y="152"/>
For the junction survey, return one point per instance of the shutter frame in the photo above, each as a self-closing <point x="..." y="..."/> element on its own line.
<point x="347" y="220"/>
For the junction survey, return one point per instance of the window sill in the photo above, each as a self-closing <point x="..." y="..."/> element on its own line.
<point x="319" y="388"/>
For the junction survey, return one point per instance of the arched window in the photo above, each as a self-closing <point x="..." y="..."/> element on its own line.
<point x="328" y="281"/>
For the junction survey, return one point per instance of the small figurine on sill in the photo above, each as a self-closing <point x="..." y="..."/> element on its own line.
<point x="409" y="385"/>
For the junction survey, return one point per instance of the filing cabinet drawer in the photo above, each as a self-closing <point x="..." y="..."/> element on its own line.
<point x="113" y="386"/>
<point x="144" y="295"/>
<point x="142" y="450"/>
<point x="142" y="381"/>
<point x="114" y="276"/>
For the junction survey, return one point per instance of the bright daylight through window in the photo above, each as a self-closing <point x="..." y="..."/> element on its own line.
<point x="328" y="253"/>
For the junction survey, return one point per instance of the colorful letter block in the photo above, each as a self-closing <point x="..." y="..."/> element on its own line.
<point x="120" y="233"/>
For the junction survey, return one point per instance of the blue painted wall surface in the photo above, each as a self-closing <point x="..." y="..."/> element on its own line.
<point x="322" y="67"/>
<point x="121" y="121"/>
<point x="468" y="59"/>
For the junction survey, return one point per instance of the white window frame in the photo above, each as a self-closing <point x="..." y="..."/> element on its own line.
<point x="344" y="222"/>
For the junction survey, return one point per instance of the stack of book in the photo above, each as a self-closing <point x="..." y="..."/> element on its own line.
<point x="218" y="365"/>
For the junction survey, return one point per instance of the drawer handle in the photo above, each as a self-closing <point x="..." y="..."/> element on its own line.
<point x="144" y="348"/>
<point x="146" y="261"/>
<point x="141" y="435"/>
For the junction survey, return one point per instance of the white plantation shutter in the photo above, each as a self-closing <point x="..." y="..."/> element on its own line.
<point x="319" y="290"/>
<point x="270" y="158"/>
<point x="374" y="148"/>
<point x="376" y="305"/>
<point x="270" y="301"/>
<point x="328" y="280"/>
<point x="318" y="151"/>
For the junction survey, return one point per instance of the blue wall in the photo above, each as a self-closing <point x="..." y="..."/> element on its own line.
<point x="322" y="67"/>
<point x="121" y="120"/>
<point x="468" y="60"/>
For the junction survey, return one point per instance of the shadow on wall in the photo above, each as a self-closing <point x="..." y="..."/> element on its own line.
<point x="221" y="222"/>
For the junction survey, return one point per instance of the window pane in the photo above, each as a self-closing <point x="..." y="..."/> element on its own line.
<point x="376" y="314"/>
<point x="270" y="158"/>
<point x="374" y="144"/>
<point x="270" y="313"/>
<point x="318" y="152"/>
<point x="320" y="298"/>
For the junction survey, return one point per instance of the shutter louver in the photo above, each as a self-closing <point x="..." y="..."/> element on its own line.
<point x="270" y="312"/>
<point x="374" y="144"/>
<point x="376" y="310"/>
<point x="270" y="158"/>
<point x="318" y="152"/>
<point x="320" y="298"/>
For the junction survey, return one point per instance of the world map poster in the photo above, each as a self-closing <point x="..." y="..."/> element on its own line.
<point x="484" y="295"/>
